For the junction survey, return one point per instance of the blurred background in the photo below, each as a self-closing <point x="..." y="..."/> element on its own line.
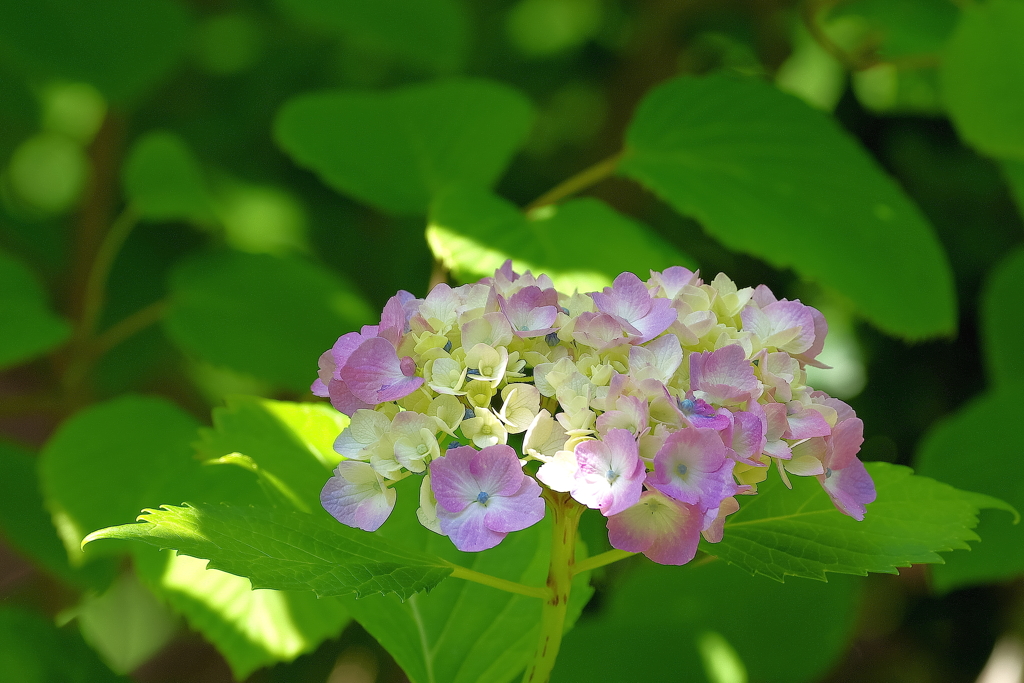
<point x="137" y="147"/>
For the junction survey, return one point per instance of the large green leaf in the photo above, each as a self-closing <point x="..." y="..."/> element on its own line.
<point x="163" y="180"/>
<point x="983" y="77"/>
<point x="397" y="150"/>
<point x="30" y="327"/>
<point x="910" y="28"/>
<point x="769" y="176"/>
<point x="464" y="632"/>
<point x="33" y="650"/>
<point x="109" y="461"/>
<point x="120" y="46"/>
<point x="268" y="316"/>
<point x="285" y="550"/>
<point x="978" y="448"/>
<point x="1003" y="324"/>
<point x="582" y="244"/>
<point x="1013" y="171"/>
<point x="27" y="526"/>
<point x="670" y="614"/>
<point x="250" y="628"/>
<point x="424" y="33"/>
<point x="290" y="445"/>
<point x="799" y="532"/>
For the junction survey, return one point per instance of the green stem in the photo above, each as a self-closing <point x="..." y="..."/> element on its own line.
<point x="600" y="561"/>
<point x="501" y="584"/>
<point x="566" y="518"/>
<point x="96" y="284"/>
<point x="580" y="181"/>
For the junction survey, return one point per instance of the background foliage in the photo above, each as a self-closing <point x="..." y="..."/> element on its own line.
<point x="197" y="198"/>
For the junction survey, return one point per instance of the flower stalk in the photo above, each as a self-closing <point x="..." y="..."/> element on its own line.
<point x="565" y="521"/>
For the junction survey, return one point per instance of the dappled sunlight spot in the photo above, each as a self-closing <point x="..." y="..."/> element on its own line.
<point x="722" y="663"/>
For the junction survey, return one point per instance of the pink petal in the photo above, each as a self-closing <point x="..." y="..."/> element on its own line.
<point x="664" y="530"/>
<point x="374" y="374"/>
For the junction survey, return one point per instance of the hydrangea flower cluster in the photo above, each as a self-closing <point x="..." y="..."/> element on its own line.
<point x="655" y="402"/>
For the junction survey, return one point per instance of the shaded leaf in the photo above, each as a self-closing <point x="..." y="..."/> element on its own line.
<point x="769" y="176"/>
<point x="120" y="46"/>
<point x="1003" y="324"/>
<point x="983" y="77"/>
<point x="665" y="612"/>
<point x="799" y="532"/>
<point x="268" y="316"/>
<point x="427" y="33"/>
<point x="397" y="150"/>
<point x="582" y="244"/>
<point x="285" y="550"/>
<point x="33" y="650"/>
<point x="164" y="181"/>
<point x="250" y="628"/>
<point x="30" y="327"/>
<point x="972" y="449"/>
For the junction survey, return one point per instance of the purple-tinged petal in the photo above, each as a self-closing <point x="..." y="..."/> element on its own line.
<point x="496" y="470"/>
<point x="664" y="530"/>
<point x="697" y="412"/>
<point x="611" y="474"/>
<point x="392" y="321"/>
<point x="344" y="400"/>
<point x="453" y="484"/>
<point x="747" y="436"/>
<point x="670" y="281"/>
<point x="715" y="528"/>
<point x="375" y="375"/>
<point x="468" y="529"/>
<point x="627" y="298"/>
<point x="692" y="468"/>
<point x="850" y="488"/>
<point x="521" y="509"/>
<point x="600" y="330"/>
<point x="724" y="376"/>
<point x="805" y="423"/>
<point x="356" y="496"/>
<point x="763" y="296"/>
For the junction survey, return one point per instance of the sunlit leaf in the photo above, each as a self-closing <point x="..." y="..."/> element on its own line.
<point x="427" y="33"/>
<point x="250" y="628"/>
<point x="397" y="150"/>
<point x="268" y="316"/>
<point x="799" y="532"/>
<point x="983" y="77"/>
<point x="292" y="442"/>
<point x="665" y="612"/>
<point x="164" y="181"/>
<point x="106" y="463"/>
<point x="285" y="550"/>
<point x="769" y="176"/>
<point x="120" y="46"/>
<point x="30" y="328"/>
<point x="582" y="244"/>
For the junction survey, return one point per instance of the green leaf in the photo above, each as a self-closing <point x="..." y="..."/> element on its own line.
<point x="33" y="650"/>
<point x="463" y="632"/>
<point x="1003" y="324"/>
<point x="106" y="463"/>
<point x="983" y="77"/>
<point x="27" y="526"/>
<point x="782" y="533"/>
<point x="285" y="550"/>
<point x="667" y="613"/>
<point x="1013" y="171"/>
<point x="427" y="33"/>
<point x="582" y="244"/>
<point x="397" y="150"/>
<point x="910" y="28"/>
<point x="974" y="449"/>
<point x="268" y="316"/>
<point x="769" y="176"/>
<point x="30" y="327"/>
<point x="250" y="628"/>
<point x="164" y="181"/>
<point x="120" y="46"/>
<point x="125" y="624"/>
<point x="291" y="442"/>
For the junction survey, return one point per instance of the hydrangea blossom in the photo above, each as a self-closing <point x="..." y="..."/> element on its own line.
<point x="659" y="404"/>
